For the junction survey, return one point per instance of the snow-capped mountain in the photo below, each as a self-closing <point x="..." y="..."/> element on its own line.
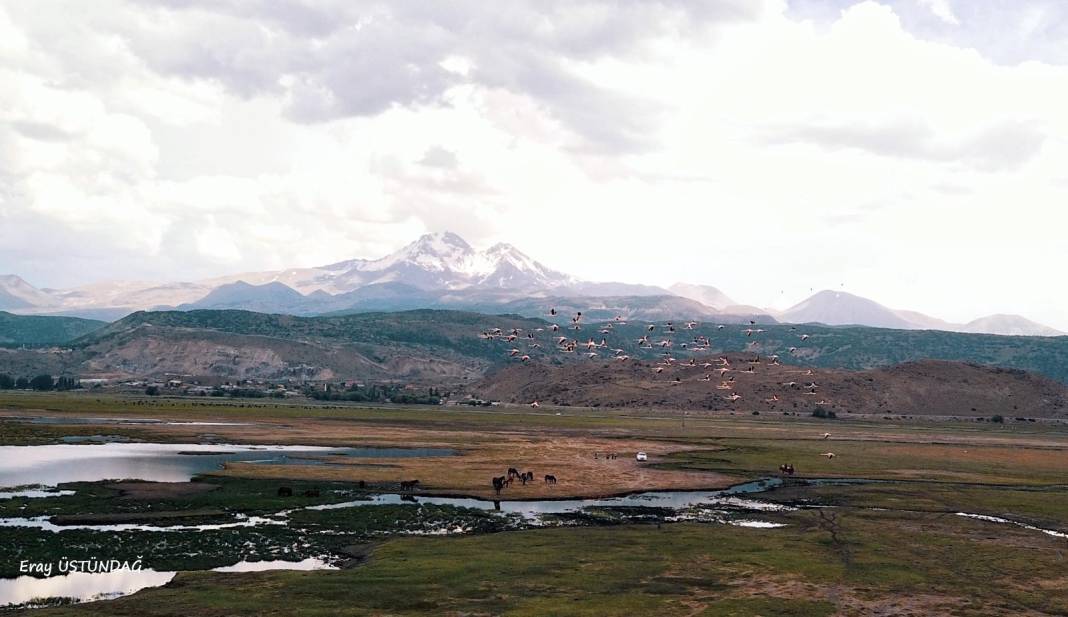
<point x="440" y="262"/>
<point x="441" y="270"/>
<point x="445" y="261"/>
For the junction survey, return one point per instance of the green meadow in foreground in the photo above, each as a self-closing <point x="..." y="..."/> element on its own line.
<point x="895" y="546"/>
<point x="820" y="564"/>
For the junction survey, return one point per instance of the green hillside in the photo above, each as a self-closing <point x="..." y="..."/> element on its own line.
<point x="457" y="332"/>
<point x="42" y="331"/>
<point x="454" y="331"/>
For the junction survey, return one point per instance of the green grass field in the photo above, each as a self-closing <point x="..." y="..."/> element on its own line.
<point x="893" y="547"/>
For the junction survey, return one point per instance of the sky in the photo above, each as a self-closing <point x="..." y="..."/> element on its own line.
<point x="911" y="151"/>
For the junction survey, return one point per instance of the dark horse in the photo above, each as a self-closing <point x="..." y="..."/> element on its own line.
<point x="498" y="484"/>
<point x="285" y="491"/>
<point x="409" y="485"/>
<point x="550" y="479"/>
<point x="787" y="468"/>
<point x="527" y="476"/>
<point x="513" y="473"/>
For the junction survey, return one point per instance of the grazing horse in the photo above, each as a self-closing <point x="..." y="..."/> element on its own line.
<point x="498" y="484"/>
<point x="527" y="476"/>
<point x="513" y="473"/>
<point x="285" y="491"/>
<point x="550" y="479"/>
<point x="409" y="485"/>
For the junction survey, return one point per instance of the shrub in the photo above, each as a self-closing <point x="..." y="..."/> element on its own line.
<point x="820" y="412"/>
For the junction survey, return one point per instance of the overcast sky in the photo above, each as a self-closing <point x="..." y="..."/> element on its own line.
<point x="911" y="151"/>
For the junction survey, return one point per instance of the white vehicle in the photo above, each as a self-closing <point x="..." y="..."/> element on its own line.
<point x="641" y="456"/>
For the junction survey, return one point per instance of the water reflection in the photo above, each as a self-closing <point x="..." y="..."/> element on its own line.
<point x="34" y="493"/>
<point x="532" y="509"/>
<point x="55" y="464"/>
<point x="81" y="586"/>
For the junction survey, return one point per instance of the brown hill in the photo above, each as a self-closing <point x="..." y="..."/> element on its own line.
<point x="932" y="388"/>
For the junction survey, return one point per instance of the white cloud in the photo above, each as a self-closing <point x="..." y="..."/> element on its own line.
<point x="734" y="146"/>
<point x="940" y="9"/>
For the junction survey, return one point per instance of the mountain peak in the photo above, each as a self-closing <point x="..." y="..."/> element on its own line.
<point x="501" y="247"/>
<point x="442" y="241"/>
<point x="839" y="308"/>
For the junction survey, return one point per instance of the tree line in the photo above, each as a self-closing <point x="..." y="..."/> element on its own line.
<point x="375" y="393"/>
<point x="41" y="383"/>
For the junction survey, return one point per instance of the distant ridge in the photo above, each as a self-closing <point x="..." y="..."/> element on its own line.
<point x="838" y="308"/>
<point x="441" y="270"/>
<point x="705" y="294"/>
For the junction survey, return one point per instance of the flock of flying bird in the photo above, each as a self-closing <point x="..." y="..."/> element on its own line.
<point x="653" y="337"/>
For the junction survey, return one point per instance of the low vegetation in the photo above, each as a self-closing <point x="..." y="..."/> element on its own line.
<point x="890" y="544"/>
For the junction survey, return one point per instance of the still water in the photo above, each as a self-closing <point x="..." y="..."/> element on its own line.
<point x="55" y="464"/>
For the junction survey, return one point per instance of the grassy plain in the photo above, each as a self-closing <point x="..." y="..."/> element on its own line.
<point x="893" y="547"/>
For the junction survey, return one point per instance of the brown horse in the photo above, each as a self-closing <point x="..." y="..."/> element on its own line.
<point x="550" y="479"/>
<point x="786" y="468"/>
<point x="513" y="472"/>
<point x="498" y="484"/>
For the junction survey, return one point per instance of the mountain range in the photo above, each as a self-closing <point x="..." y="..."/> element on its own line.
<point x="837" y="308"/>
<point x="443" y="271"/>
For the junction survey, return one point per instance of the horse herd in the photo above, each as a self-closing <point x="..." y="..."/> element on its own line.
<point x="502" y="482"/>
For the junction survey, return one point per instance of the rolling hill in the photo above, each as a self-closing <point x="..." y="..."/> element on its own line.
<point x="36" y="331"/>
<point x="449" y="346"/>
<point x="419" y="346"/>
